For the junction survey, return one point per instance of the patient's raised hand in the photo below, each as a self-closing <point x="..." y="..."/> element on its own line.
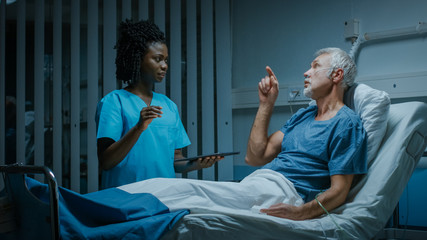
<point x="268" y="88"/>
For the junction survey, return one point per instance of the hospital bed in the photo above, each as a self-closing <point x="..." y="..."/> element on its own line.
<point x="369" y="206"/>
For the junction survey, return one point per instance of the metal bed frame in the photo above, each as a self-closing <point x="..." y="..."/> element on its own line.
<point x="394" y="230"/>
<point x="17" y="191"/>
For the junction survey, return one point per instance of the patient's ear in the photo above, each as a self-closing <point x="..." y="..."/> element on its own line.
<point x="337" y="75"/>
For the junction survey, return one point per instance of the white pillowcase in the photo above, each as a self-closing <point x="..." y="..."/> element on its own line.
<point x="372" y="106"/>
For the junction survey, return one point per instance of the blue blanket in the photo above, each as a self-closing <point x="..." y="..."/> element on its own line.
<point x="109" y="214"/>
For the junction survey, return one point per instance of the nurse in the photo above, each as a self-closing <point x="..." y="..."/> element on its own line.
<point x="139" y="131"/>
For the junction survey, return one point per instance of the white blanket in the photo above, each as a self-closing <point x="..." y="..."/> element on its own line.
<point x="261" y="189"/>
<point x="239" y="201"/>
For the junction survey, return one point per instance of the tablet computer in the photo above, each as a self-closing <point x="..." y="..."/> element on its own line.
<point x="223" y="154"/>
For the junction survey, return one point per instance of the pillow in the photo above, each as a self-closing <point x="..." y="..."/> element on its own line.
<point x="372" y="106"/>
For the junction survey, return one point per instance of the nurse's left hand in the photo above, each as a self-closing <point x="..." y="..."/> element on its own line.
<point x="208" y="161"/>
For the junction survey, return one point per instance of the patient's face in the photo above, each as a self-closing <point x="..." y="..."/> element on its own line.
<point x="317" y="82"/>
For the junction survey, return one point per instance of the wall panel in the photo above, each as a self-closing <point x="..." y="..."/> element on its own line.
<point x="159" y="19"/>
<point x="223" y="87"/>
<point x="57" y="126"/>
<point x="92" y="94"/>
<point x="39" y="85"/>
<point x="75" y="82"/>
<point x="20" y="81"/>
<point x="191" y="74"/>
<point x="2" y="81"/>
<point x="207" y="91"/>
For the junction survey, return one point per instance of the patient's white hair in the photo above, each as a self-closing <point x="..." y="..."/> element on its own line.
<point x="340" y="59"/>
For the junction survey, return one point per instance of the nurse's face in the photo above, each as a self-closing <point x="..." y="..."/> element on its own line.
<point x="154" y="64"/>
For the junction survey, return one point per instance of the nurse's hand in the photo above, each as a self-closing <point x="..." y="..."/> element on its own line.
<point x="147" y="115"/>
<point x="207" y="162"/>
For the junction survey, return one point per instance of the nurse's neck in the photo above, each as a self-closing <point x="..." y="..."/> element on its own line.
<point x="142" y="90"/>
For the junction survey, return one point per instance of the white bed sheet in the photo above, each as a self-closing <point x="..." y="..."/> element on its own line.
<point x="261" y="189"/>
<point x="369" y="205"/>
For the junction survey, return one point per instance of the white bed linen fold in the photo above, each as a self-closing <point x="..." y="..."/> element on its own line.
<point x="261" y="189"/>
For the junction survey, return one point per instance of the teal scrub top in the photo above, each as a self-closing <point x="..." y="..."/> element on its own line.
<point x="153" y="154"/>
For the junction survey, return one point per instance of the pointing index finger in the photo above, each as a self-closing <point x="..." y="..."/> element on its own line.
<point x="270" y="72"/>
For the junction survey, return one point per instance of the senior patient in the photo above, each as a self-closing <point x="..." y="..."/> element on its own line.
<point x="321" y="147"/>
<point x="317" y="152"/>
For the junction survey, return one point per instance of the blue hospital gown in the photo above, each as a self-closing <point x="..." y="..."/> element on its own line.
<point x="312" y="151"/>
<point x="153" y="154"/>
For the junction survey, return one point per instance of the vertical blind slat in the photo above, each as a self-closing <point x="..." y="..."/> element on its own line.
<point x="126" y="9"/>
<point x="223" y="84"/>
<point x="110" y="26"/>
<point x="159" y="19"/>
<point x="192" y="121"/>
<point x="92" y="95"/>
<point x="57" y="91"/>
<point x="175" y="53"/>
<point x="207" y="83"/>
<point x="143" y="10"/>
<point x="39" y="86"/>
<point x="75" y="96"/>
<point x="2" y="82"/>
<point x="20" y="83"/>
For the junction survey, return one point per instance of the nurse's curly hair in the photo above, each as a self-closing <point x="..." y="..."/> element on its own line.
<point x="132" y="45"/>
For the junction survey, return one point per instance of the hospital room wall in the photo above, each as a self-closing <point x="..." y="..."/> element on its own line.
<point x="285" y="34"/>
<point x="61" y="59"/>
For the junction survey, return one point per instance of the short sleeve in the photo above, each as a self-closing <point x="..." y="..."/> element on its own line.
<point x="109" y="118"/>
<point x="348" y="150"/>
<point x="181" y="139"/>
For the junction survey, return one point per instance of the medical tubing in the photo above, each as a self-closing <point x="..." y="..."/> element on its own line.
<point x="420" y="28"/>
<point x="360" y="39"/>
<point x="290" y="102"/>
<point x="326" y="211"/>
<point x="333" y="220"/>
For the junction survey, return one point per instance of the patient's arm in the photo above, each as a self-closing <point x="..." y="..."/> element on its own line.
<point x="332" y="198"/>
<point x="261" y="148"/>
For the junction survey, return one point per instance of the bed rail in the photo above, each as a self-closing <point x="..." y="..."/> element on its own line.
<point x="53" y="189"/>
